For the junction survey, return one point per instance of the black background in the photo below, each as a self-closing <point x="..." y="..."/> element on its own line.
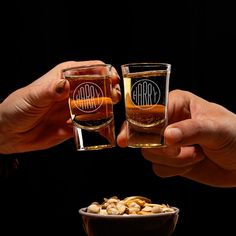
<point x="197" y="38"/>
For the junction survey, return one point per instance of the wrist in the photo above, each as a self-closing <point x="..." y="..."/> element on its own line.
<point x="3" y="138"/>
<point x="1" y="131"/>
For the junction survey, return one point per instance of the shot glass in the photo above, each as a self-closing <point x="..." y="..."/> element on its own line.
<point x="146" y="89"/>
<point x="91" y="107"/>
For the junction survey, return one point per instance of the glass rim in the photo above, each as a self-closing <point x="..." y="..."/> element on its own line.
<point x="86" y="67"/>
<point x="146" y="64"/>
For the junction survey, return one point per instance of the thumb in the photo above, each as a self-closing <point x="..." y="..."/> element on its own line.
<point x="62" y="90"/>
<point x="190" y="132"/>
<point x="45" y="94"/>
<point x="122" y="140"/>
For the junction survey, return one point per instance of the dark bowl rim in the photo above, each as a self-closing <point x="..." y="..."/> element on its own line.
<point x="83" y="212"/>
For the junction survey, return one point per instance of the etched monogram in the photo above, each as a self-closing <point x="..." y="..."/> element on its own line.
<point x="145" y="93"/>
<point x="88" y="97"/>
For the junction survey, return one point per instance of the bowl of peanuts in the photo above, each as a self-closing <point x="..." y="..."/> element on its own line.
<point x="134" y="215"/>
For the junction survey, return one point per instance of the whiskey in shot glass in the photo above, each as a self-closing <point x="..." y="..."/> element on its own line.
<point x="146" y="88"/>
<point x="91" y="106"/>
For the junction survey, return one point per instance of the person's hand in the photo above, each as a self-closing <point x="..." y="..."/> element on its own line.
<point x="200" y="139"/>
<point x="36" y="117"/>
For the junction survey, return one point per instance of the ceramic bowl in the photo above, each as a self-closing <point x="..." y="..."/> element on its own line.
<point x="161" y="224"/>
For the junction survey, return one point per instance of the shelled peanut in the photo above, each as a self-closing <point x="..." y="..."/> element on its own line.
<point x="134" y="205"/>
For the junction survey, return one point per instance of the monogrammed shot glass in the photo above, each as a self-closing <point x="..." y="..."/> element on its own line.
<point x="91" y="106"/>
<point x="146" y="89"/>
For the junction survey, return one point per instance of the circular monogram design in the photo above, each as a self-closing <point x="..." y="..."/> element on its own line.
<point x="145" y="94"/>
<point x="88" y="97"/>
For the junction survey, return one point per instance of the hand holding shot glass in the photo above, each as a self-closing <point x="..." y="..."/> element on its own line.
<point x="146" y="89"/>
<point x="91" y="106"/>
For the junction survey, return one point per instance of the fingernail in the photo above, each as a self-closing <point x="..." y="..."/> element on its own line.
<point x="117" y="87"/>
<point x="174" y="133"/>
<point x="61" y="86"/>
